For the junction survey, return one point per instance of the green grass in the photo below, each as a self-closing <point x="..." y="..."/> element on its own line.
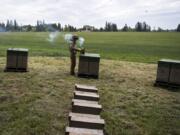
<point x="131" y="46"/>
<point x="38" y="102"/>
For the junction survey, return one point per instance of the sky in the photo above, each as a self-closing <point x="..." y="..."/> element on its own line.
<point x="157" y="13"/>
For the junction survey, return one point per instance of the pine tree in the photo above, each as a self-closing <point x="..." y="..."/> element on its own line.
<point x="15" y="25"/>
<point x="138" y="26"/>
<point x="178" y="28"/>
<point x="7" y="25"/>
<point x="125" y="28"/>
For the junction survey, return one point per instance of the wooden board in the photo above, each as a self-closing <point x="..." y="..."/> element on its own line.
<point x="83" y="131"/>
<point x="86" y="108"/>
<point x="84" y="101"/>
<point x="86" y="122"/>
<point x="71" y="114"/>
<point x="86" y="88"/>
<point x="86" y="95"/>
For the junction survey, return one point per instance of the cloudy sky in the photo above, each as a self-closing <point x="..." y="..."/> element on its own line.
<point x="163" y="13"/>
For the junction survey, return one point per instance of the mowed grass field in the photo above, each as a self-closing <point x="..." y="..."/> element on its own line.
<point x="38" y="102"/>
<point x="130" y="46"/>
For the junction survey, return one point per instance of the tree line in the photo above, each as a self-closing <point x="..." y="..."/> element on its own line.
<point x="41" y="26"/>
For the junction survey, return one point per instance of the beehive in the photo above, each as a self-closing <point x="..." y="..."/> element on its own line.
<point x="89" y="65"/>
<point x="17" y="59"/>
<point x="168" y="72"/>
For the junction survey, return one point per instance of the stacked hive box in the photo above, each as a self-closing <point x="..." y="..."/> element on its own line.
<point x="17" y="59"/>
<point x="85" y="116"/>
<point x="168" y="72"/>
<point x="89" y="65"/>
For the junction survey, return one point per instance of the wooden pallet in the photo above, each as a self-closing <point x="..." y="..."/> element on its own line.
<point x="88" y="76"/>
<point x="15" y="70"/>
<point x="166" y="85"/>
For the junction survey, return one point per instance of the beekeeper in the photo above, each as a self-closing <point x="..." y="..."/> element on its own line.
<point x="73" y="51"/>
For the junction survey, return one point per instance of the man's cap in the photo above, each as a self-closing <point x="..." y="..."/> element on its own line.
<point x="75" y="37"/>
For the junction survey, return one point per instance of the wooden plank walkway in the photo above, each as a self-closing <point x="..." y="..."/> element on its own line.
<point x="84" y="118"/>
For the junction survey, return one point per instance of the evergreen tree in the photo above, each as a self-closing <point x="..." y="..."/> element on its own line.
<point x="160" y="29"/>
<point x="15" y="25"/>
<point x="37" y="26"/>
<point x="11" y="25"/>
<point x="101" y="29"/>
<point x="54" y="26"/>
<point x="29" y="28"/>
<point x="138" y="26"/>
<point x="125" y="28"/>
<point x="178" y="28"/>
<point x="106" y="26"/>
<point x="59" y="26"/>
<point x="65" y="28"/>
<point x="110" y="27"/>
<point x="7" y="25"/>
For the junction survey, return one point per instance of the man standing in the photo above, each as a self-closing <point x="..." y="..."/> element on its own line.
<point x="73" y="50"/>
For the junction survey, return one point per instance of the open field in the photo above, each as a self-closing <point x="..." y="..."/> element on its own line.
<point x="38" y="102"/>
<point x="130" y="46"/>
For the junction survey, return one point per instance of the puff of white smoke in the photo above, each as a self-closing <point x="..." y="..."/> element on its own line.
<point x="81" y="42"/>
<point x="53" y="36"/>
<point x="68" y="38"/>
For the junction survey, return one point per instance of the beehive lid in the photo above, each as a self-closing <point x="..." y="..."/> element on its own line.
<point x="18" y="49"/>
<point x="170" y="61"/>
<point x="94" y="55"/>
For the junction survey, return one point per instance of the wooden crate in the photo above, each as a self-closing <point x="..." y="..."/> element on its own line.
<point x="168" y="72"/>
<point x="175" y="74"/>
<point x="163" y="71"/>
<point x="17" y="59"/>
<point x="89" y="65"/>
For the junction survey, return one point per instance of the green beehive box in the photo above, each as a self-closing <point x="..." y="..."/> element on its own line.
<point x="17" y="59"/>
<point x="89" y="65"/>
<point x="168" y="72"/>
<point x="175" y="73"/>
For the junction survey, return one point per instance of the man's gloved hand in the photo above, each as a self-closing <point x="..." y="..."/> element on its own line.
<point x="82" y="51"/>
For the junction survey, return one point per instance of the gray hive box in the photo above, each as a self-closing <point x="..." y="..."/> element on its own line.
<point x="168" y="72"/>
<point x="17" y="59"/>
<point x="89" y="65"/>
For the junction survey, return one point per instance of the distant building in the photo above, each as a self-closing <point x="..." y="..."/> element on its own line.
<point x="88" y="28"/>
